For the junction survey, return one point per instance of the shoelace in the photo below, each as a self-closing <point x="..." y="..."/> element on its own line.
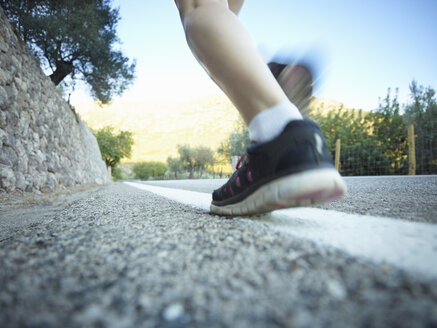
<point x="241" y="160"/>
<point x="235" y="178"/>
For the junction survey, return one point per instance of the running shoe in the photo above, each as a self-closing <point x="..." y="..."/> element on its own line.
<point x="297" y="82"/>
<point x="294" y="169"/>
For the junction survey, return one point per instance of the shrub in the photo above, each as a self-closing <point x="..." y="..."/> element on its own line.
<point x="116" y="173"/>
<point x="147" y="170"/>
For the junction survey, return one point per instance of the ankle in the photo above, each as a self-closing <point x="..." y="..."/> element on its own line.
<point x="268" y="124"/>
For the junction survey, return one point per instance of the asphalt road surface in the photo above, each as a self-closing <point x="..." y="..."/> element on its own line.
<point x="411" y="198"/>
<point x="117" y="256"/>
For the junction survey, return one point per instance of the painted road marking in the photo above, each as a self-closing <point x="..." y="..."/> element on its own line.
<point x="411" y="246"/>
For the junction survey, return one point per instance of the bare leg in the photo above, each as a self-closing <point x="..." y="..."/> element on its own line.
<point x="289" y="163"/>
<point x="232" y="60"/>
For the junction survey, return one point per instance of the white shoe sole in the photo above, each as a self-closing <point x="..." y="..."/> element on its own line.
<point x="301" y="189"/>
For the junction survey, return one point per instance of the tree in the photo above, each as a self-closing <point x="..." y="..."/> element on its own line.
<point x="389" y="130"/>
<point x="203" y="158"/>
<point x="236" y="143"/>
<point x="360" y="153"/>
<point x="186" y="156"/>
<point x="114" y="147"/>
<point x="422" y="112"/>
<point x="76" y="39"/>
<point x="175" y="165"/>
<point x="193" y="159"/>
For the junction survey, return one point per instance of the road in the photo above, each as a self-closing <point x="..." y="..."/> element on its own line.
<point x="411" y="198"/>
<point x="369" y="222"/>
<point x="117" y="256"/>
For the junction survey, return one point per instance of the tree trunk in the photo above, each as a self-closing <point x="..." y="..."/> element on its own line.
<point x="63" y="68"/>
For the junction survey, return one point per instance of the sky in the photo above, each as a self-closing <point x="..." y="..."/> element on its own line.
<point x="362" y="47"/>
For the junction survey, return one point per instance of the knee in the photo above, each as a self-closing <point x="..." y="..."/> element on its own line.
<point x="187" y="7"/>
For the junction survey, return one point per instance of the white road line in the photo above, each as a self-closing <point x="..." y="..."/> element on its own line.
<point x="411" y="246"/>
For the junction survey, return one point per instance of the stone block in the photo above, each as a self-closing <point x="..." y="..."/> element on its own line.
<point x="12" y="93"/>
<point x="7" y="178"/>
<point x="3" y="120"/>
<point x="4" y="46"/>
<point x="29" y="182"/>
<point x="20" y="183"/>
<point x="9" y="154"/>
<point x="3" y="97"/>
<point x="4" y="159"/>
<point x="20" y="85"/>
<point x="4" y="76"/>
<point x="51" y="183"/>
<point x="3" y="137"/>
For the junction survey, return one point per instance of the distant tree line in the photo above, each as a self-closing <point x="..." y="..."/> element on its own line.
<point x="375" y="143"/>
<point x="193" y="160"/>
<point x="372" y="143"/>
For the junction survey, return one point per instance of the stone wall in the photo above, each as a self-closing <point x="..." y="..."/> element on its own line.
<point x="43" y="144"/>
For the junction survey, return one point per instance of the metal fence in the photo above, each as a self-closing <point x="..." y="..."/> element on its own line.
<point x="417" y="154"/>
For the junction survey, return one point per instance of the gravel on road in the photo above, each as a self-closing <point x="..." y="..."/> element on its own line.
<point x="119" y="257"/>
<point x="407" y="197"/>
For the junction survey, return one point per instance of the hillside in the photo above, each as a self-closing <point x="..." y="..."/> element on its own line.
<point x="158" y="127"/>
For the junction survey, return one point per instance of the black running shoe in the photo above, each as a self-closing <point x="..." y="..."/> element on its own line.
<point x="294" y="169"/>
<point x="296" y="80"/>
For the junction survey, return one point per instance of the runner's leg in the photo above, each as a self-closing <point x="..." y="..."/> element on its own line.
<point x="289" y="164"/>
<point x="232" y="59"/>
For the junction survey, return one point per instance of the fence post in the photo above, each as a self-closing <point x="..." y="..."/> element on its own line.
<point x="411" y="151"/>
<point x="337" y="154"/>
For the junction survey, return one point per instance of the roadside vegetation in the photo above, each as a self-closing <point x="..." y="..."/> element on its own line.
<point x="372" y="143"/>
<point x="375" y="143"/>
<point x="113" y="147"/>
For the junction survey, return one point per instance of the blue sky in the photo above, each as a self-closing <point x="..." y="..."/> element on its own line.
<point x="364" y="47"/>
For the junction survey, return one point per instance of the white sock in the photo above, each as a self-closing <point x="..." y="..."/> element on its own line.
<point x="268" y="124"/>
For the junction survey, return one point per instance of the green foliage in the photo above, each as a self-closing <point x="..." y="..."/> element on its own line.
<point x="236" y="143"/>
<point x="358" y="148"/>
<point x="116" y="173"/>
<point x="203" y="159"/>
<point x="375" y="143"/>
<point x="186" y="156"/>
<point x="75" y="39"/>
<point x="422" y="112"/>
<point x="175" y="166"/>
<point x="147" y="170"/>
<point x="114" y="147"/>
<point x="391" y="135"/>
<point x="194" y="159"/>
<point x="363" y="136"/>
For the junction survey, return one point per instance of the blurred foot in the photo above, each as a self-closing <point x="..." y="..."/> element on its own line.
<point x="297" y="82"/>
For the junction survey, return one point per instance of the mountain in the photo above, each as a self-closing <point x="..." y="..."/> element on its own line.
<point x="158" y="127"/>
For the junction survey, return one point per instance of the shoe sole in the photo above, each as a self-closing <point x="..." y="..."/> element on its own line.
<point x="301" y="189"/>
